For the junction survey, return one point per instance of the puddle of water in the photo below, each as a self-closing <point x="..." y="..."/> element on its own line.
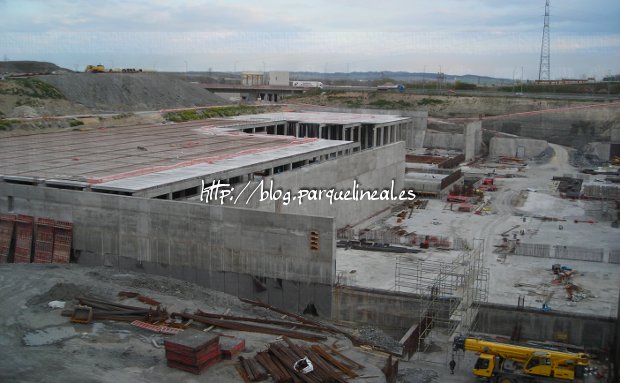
<point x="101" y="329"/>
<point x="49" y="335"/>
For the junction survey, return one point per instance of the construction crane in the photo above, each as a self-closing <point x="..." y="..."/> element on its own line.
<point x="510" y="363"/>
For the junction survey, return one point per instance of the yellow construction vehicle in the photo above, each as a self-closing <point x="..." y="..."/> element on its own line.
<point x="510" y="363"/>
<point x="95" y="68"/>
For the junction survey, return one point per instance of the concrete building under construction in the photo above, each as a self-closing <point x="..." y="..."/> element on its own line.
<point x="136" y="199"/>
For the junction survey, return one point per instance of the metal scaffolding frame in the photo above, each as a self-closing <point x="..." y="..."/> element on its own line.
<point x="451" y="292"/>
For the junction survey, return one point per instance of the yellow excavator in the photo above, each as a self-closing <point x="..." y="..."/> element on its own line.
<point x="95" y="68"/>
<point x="510" y="363"/>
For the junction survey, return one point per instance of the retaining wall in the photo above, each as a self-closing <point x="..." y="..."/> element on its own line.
<point x="588" y="331"/>
<point x="239" y="251"/>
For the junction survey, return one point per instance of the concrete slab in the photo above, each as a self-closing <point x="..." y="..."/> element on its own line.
<point x="512" y="275"/>
<point x="107" y="154"/>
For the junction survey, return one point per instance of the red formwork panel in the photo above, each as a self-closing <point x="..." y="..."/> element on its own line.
<point x="23" y="238"/>
<point x="44" y="243"/>
<point x="7" y="225"/>
<point x="63" y="235"/>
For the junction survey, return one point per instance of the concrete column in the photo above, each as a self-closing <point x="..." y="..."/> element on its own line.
<point x="320" y="130"/>
<point x="380" y="136"/>
<point x="374" y="137"/>
<point x="297" y="129"/>
<point x="470" y="139"/>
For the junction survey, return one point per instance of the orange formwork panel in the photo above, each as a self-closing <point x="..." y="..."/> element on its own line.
<point x="44" y="243"/>
<point x="63" y="235"/>
<point x="23" y="238"/>
<point x="7" y="226"/>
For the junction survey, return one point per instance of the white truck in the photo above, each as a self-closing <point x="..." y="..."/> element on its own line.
<point x="308" y="84"/>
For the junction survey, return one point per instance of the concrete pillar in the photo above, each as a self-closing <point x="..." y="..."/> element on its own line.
<point x="374" y="137"/>
<point x="471" y="132"/>
<point x="297" y="129"/>
<point x="320" y="130"/>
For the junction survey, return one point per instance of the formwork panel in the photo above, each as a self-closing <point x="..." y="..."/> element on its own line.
<point x="23" y="238"/>
<point x="63" y="237"/>
<point x="44" y="243"/>
<point x="7" y="226"/>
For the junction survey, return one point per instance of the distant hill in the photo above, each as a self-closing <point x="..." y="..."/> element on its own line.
<point x="29" y="67"/>
<point x="397" y="76"/>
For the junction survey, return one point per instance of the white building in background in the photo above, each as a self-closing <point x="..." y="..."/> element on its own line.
<point x="279" y="78"/>
<point x="253" y="78"/>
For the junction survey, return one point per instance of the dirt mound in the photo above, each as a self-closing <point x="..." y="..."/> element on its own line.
<point x="28" y="67"/>
<point x="131" y="92"/>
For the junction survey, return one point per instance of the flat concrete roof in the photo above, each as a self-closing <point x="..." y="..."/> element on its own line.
<point x="136" y="157"/>
<point x="326" y="118"/>
<point x="425" y="176"/>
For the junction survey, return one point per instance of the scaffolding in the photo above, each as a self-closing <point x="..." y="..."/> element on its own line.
<point x="451" y="292"/>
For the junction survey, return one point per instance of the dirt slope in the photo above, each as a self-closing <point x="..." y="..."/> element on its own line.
<point x="130" y="92"/>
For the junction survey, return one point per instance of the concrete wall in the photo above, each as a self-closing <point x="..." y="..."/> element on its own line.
<point x="516" y="147"/>
<point x="582" y="330"/>
<point x="227" y="249"/>
<point x="392" y="312"/>
<point x="441" y="140"/>
<point x="571" y="128"/>
<point x="372" y="169"/>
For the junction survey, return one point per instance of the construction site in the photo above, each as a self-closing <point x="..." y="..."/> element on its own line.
<point x="226" y="247"/>
<point x="204" y="226"/>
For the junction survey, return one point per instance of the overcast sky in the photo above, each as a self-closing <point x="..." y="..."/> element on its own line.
<point x="483" y="37"/>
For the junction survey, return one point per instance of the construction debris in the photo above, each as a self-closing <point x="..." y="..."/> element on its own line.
<point x="100" y="309"/>
<point x="240" y="326"/>
<point x="230" y="347"/>
<point x="358" y="342"/>
<point x="160" y="329"/>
